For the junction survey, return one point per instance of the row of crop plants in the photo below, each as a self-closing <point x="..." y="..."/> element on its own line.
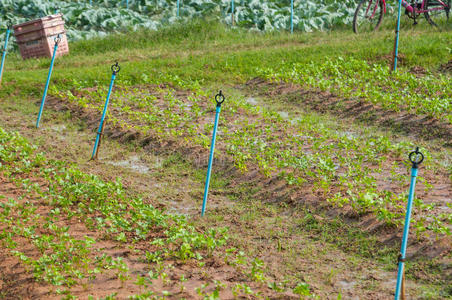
<point x="34" y="228"/>
<point x="343" y="169"/>
<point x="351" y="78"/>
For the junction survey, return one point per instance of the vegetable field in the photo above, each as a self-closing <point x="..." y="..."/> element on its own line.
<point x="298" y="152"/>
<point x="50" y="204"/>
<point x="310" y="179"/>
<point x="429" y="95"/>
<point x="86" y="21"/>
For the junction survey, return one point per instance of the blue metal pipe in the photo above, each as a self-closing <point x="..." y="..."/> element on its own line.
<point x="104" y="112"/>
<point x="127" y="4"/>
<point x="178" y="8"/>
<point x="90" y="2"/>
<point x="291" y="16"/>
<point x="396" y="46"/>
<point x="401" y="263"/>
<point x="212" y="149"/>
<point x="232" y="12"/>
<point x="5" y="50"/>
<point x="43" y="100"/>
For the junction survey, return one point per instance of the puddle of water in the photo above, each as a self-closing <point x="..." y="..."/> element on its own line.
<point x="182" y="208"/>
<point x="349" y="134"/>
<point x="134" y="163"/>
<point x="295" y="121"/>
<point x="251" y="101"/>
<point x="58" y="128"/>
<point x="283" y="114"/>
<point x="346" y="285"/>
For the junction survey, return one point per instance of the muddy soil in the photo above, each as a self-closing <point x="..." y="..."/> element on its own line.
<point x="17" y="282"/>
<point x="447" y="67"/>
<point x="417" y="126"/>
<point x="275" y="190"/>
<point x="314" y="266"/>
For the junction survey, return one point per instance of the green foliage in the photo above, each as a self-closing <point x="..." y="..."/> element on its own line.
<point x="302" y="289"/>
<point x="85" y="21"/>
<point x="105" y="207"/>
<point x="355" y="78"/>
<point x="68" y="191"/>
<point x="299" y="152"/>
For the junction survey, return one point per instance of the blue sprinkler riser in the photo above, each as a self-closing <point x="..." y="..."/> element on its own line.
<point x="178" y="8"/>
<point x="209" y="169"/>
<point x="41" y="108"/>
<point x="104" y="113"/>
<point x="232" y="12"/>
<point x="291" y="16"/>
<point x="396" y="50"/>
<point x="406" y="230"/>
<point x="8" y="31"/>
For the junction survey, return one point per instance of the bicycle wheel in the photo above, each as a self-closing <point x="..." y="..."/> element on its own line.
<point x="368" y="16"/>
<point x="436" y="13"/>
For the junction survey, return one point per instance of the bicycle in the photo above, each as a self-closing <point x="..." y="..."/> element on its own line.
<point x="369" y="13"/>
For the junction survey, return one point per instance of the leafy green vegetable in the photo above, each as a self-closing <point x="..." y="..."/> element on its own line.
<point x="86" y="21"/>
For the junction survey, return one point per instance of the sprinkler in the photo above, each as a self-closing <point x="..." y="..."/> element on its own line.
<point x="219" y="98"/>
<point x="396" y="41"/>
<point x="8" y="32"/>
<point x="115" y="70"/>
<point x="416" y="158"/>
<point x="41" y="108"/>
<point x="232" y="13"/>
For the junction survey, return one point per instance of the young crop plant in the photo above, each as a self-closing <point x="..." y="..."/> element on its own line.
<point x="353" y="78"/>
<point x="302" y="289"/>
<point x="255" y="138"/>
<point x="38" y="220"/>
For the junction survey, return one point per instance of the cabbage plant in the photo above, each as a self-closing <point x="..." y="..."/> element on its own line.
<point x="105" y="16"/>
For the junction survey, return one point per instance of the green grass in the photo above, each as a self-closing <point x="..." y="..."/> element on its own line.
<point x="186" y="48"/>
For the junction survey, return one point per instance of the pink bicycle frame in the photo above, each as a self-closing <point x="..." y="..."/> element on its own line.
<point x="409" y="8"/>
<point x="375" y="8"/>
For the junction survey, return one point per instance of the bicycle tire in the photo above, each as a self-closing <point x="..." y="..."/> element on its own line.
<point x="378" y="17"/>
<point x="428" y="15"/>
